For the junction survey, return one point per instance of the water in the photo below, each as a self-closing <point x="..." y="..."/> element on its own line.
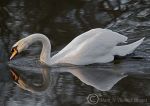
<point x="61" y="21"/>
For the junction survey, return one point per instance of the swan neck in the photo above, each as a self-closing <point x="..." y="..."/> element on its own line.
<point x="46" y="51"/>
<point x="46" y="47"/>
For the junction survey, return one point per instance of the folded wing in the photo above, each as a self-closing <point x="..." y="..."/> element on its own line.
<point x="90" y="46"/>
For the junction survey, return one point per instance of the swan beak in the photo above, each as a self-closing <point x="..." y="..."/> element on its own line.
<point x="14" y="53"/>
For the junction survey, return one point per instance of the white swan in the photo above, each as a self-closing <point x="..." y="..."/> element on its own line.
<point x="94" y="46"/>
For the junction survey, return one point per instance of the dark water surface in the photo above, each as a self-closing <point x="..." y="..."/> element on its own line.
<point x="120" y="83"/>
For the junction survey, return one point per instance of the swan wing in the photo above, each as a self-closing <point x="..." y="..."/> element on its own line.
<point x="89" y="46"/>
<point x="80" y="39"/>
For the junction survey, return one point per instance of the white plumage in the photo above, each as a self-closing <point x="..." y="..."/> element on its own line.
<point x="94" y="46"/>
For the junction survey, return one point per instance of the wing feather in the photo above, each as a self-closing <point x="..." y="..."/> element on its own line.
<point x="90" y="45"/>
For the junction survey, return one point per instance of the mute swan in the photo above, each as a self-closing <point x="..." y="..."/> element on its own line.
<point x="94" y="46"/>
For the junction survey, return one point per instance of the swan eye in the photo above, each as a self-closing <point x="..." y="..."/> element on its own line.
<point x="14" y="52"/>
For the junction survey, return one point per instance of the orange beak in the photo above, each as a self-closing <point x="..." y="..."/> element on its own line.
<point x="14" y="53"/>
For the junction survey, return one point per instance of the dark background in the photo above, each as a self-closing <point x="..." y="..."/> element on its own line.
<point x="61" y="21"/>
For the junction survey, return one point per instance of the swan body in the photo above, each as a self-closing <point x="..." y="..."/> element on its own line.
<point x="94" y="46"/>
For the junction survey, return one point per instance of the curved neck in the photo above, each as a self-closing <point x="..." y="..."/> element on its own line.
<point x="46" y="49"/>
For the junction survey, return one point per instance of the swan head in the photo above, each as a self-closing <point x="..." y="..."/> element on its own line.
<point x="18" y="47"/>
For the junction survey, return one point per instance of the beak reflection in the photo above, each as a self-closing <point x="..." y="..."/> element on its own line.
<point x="14" y="75"/>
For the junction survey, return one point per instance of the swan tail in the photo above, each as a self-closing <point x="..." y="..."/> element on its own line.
<point x="126" y="49"/>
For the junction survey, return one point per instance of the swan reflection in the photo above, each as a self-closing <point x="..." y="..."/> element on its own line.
<point x="102" y="80"/>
